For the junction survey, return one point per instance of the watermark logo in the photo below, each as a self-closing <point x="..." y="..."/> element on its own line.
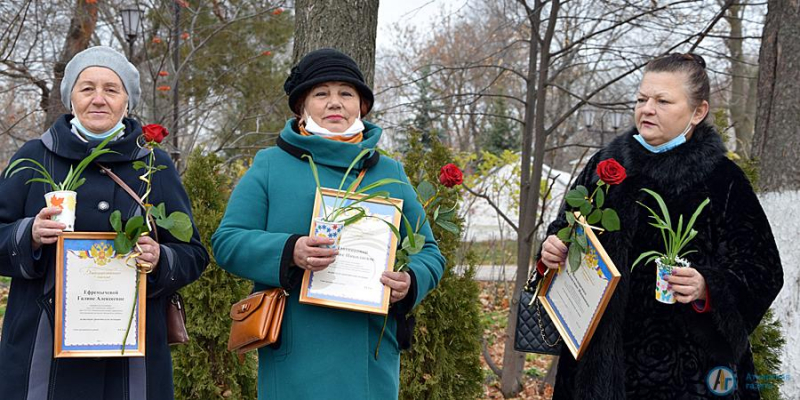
<point x="721" y="381"/>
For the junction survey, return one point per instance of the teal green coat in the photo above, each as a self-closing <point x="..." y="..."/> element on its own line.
<point x="323" y="353"/>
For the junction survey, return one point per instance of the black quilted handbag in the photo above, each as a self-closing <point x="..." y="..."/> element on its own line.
<point x="536" y="332"/>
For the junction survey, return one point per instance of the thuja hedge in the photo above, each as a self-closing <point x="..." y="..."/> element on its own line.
<point x="444" y="360"/>
<point x="204" y="368"/>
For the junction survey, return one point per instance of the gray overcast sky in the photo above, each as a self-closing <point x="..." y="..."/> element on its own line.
<point x="418" y="12"/>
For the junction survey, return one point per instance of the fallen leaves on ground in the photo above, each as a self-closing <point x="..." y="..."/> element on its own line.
<point x="495" y="303"/>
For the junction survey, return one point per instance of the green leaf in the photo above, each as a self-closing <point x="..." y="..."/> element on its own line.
<point x="161" y="167"/>
<point x="182" y="226"/>
<point x="661" y="205"/>
<point x="425" y="191"/>
<point x="137" y="165"/>
<point x="436" y="213"/>
<point x="583" y="190"/>
<point x="586" y="208"/>
<point x="570" y="218"/>
<point x="162" y="209"/>
<point x="610" y="220"/>
<point x="599" y="198"/>
<point x="134" y="224"/>
<point x="122" y="245"/>
<point x="449" y="226"/>
<point x="580" y="238"/>
<point x="574" y="257"/>
<point x="595" y="217"/>
<point x="419" y="242"/>
<point x="116" y="221"/>
<point x="575" y="198"/>
<point x="157" y="212"/>
<point x="643" y="256"/>
<point x="165" y="223"/>
<point x="564" y="234"/>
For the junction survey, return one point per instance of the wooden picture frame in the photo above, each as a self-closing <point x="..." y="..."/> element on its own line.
<point x="95" y="295"/>
<point x="576" y="301"/>
<point x="366" y="249"/>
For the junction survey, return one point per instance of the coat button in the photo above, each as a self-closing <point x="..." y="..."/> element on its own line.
<point x="103" y="206"/>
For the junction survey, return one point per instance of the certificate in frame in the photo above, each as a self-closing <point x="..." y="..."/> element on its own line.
<point x="366" y="249"/>
<point x="577" y="300"/>
<point x="95" y="294"/>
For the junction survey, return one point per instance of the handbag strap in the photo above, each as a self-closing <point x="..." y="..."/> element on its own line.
<point x="131" y="192"/>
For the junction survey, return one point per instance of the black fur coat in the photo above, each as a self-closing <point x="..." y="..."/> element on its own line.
<point x="644" y="349"/>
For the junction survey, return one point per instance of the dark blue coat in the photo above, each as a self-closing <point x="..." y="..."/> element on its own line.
<point x="28" y="370"/>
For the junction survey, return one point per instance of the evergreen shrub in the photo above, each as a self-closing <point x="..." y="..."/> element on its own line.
<point x="444" y="360"/>
<point x="204" y="369"/>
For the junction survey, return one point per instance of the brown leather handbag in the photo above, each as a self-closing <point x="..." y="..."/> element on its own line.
<point x="176" y="320"/>
<point x="257" y="320"/>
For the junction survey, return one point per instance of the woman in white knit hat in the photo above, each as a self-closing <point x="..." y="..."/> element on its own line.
<point x="99" y="88"/>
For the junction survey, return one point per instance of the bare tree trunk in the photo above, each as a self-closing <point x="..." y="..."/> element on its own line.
<point x="737" y="103"/>
<point x="81" y="29"/>
<point x="534" y="139"/>
<point x="350" y="26"/>
<point x="776" y="143"/>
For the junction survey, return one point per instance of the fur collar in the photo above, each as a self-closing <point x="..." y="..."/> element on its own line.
<point x="675" y="171"/>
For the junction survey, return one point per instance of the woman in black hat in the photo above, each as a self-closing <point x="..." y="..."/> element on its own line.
<point x="323" y="353"/>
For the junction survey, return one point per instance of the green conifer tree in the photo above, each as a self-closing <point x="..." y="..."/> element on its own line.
<point x="444" y="360"/>
<point x="204" y="369"/>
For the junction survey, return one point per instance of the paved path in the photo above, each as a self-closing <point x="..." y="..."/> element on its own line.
<point x="495" y="272"/>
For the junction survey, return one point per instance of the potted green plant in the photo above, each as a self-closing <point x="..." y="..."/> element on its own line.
<point x="346" y="208"/>
<point x="676" y="237"/>
<point x="64" y="194"/>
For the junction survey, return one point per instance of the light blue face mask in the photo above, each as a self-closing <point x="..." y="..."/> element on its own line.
<point x="96" y="136"/>
<point x="665" y="147"/>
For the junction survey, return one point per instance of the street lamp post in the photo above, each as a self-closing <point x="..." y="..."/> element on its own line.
<point x="588" y="115"/>
<point x="131" y="19"/>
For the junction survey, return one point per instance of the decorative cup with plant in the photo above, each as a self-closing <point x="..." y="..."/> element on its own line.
<point x="587" y="210"/>
<point x="178" y="224"/>
<point x="346" y="208"/>
<point x="675" y="240"/>
<point x="64" y="194"/>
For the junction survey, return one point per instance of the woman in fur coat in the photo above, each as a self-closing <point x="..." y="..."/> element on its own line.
<point x="643" y="348"/>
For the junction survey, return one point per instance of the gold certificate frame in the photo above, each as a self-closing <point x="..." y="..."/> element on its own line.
<point x="366" y="249"/>
<point x="95" y="295"/>
<point x="576" y="301"/>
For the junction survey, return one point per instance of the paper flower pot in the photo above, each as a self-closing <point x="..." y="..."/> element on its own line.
<point x="66" y="200"/>
<point x="331" y="230"/>
<point x="663" y="294"/>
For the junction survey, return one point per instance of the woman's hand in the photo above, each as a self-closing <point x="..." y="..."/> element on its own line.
<point x="688" y="284"/>
<point x="309" y="256"/>
<point x="150" y="250"/>
<point x="554" y="252"/>
<point x="44" y="230"/>
<point x="399" y="282"/>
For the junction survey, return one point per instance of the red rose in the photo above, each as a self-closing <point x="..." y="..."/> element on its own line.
<point x="154" y="133"/>
<point x="450" y="175"/>
<point x="611" y="172"/>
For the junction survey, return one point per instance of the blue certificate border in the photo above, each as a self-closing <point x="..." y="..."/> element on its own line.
<point x="607" y="274"/>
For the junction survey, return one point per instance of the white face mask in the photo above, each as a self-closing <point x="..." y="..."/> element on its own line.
<point x="313" y="128"/>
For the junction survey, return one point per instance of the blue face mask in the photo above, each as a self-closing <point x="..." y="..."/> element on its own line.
<point x="665" y="147"/>
<point x="96" y="136"/>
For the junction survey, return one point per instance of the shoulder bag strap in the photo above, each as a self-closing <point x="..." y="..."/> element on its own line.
<point x="131" y="192"/>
